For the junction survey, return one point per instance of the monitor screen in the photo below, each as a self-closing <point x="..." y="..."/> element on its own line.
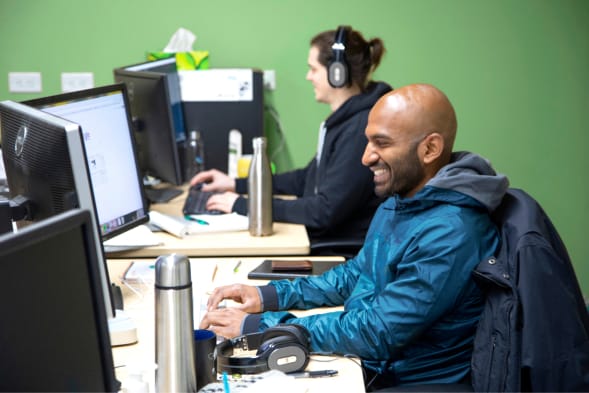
<point x="46" y="167"/>
<point x="156" y="107"/>
<point x="54" y="332"/>
<point x="103" y="114"/>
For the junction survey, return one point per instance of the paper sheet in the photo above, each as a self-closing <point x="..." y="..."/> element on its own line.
<point x="138" y="237"/>
<point x="218" y="223"/>
<point x="142" y="273"/>
<point x="181" y="227"/>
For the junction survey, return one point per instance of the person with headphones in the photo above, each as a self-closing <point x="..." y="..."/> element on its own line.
<point x="410" y="303"/>
<point x="335" y="197"/>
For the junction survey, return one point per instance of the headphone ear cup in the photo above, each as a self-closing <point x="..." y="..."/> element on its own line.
<point x="284" y="353"/>
<point x="337" y="74"/>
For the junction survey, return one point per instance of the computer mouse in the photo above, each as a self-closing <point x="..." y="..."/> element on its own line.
<point x="197" y="187"/>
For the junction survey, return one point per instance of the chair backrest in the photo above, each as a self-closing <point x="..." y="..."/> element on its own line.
<point x="534" y="331"/>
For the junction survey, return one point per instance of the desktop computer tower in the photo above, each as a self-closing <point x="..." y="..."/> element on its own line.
<point x="218" y="101"/>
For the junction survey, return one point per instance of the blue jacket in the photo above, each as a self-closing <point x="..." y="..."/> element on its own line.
<point x="410" y="304"/>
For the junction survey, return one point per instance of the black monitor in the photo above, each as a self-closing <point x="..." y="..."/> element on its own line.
<point x="156" y="107"/>
<point x="103" y="114"/>
<point x="54" y="333"/>
<point x="47" y="173"/>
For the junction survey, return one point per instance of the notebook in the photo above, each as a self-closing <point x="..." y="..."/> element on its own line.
<point x="264" y="270"/>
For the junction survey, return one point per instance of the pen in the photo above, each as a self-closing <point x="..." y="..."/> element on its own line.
<point x="197" y="220"/>
<point x="314" y="374"/>
<point x="225" y="382"/>
<point x="236" y="268"/>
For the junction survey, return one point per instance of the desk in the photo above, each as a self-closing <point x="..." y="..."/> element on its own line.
<point x="140" y="307"/>
<point x="287" y="239"/>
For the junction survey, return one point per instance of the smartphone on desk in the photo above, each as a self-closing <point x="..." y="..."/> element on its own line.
<point x="277" y="269"/>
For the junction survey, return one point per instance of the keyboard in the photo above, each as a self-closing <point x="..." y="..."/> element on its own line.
<point x="196" y="201"/>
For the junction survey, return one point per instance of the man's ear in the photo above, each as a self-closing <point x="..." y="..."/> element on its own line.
<point x="432" y="147"/>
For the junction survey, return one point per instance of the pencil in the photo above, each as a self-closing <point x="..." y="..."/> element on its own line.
<point x="215" y="273"/>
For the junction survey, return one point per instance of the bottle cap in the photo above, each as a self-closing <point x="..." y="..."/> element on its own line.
<point x="259" y="141"/>
<point x="172" y="271"/>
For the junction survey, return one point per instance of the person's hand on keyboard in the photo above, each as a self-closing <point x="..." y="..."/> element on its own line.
<point x="213" y="180"/>
<point x="222" y="202"/>
<point x="206" y="202"/>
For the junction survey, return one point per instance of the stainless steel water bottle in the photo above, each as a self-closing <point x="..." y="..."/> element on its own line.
<point x="194" y="155"/>
<point x="260" y="191"/>
<point x="174" y="345"/>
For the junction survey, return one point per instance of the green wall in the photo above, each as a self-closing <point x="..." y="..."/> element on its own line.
<point x="516" y="70"/>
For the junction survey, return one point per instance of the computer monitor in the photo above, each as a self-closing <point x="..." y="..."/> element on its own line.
<point x="47" y="173"/>
<point x="54" y="334"/>
<point x="156" y="107"/>
<point x="103" y="114"/>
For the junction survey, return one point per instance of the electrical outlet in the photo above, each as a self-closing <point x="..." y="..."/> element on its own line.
<point x="269" y="79"/>
<point x="24" y="82"/>
<point x="73" y="81"/>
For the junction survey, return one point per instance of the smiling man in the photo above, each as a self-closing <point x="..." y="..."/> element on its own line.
<point x="410" y="304"/>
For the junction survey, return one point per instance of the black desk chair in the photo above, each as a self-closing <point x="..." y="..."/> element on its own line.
<point x="346" y="248"/>
<point x="533" y="334"/>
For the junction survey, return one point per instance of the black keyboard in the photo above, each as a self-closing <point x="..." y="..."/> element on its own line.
<point x="196" y="202"/>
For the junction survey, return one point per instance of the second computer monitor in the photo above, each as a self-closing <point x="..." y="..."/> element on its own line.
<point x="154" y="96"/>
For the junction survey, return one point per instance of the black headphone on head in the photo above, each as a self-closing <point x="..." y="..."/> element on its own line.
<point x="284" y="347"/>
<point x="338" y="73"/>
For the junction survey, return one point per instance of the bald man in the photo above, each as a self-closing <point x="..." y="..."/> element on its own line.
<point x="410" y="304"/>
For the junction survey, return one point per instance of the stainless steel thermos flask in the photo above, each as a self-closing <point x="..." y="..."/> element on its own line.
<point x="174" y="345"/>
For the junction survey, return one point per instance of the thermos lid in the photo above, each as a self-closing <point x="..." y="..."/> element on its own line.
<point x="172" y="271"/>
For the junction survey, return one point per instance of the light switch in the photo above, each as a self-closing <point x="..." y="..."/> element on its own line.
<point x="24" y="82"/>
<point x="73" y="81"/>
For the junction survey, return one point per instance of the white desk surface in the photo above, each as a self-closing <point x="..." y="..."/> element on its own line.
<point x="139" y="297"/>
<point x="287" y="239"/>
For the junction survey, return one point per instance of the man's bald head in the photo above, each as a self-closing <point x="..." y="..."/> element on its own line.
<point x="411" y="132"/>
<point x="424" y="109"/>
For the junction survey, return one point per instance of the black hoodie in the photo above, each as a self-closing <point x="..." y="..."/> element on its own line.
<point x="336" y="199"/>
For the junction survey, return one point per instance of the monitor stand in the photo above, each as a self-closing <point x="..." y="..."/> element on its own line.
<point x="122" y="328"/>
<point x="156" y="192"/>
<point x="162" y="195"/>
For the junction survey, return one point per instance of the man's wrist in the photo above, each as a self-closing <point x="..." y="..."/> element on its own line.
<point x="268" y="297"/>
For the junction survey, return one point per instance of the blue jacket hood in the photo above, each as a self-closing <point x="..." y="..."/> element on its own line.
<point x="467" y="174"/>
<point x="474" y="176"/>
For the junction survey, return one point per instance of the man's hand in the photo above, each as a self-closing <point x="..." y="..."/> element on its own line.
<point x="225" y="322"/>
<point x="246" y="295"/>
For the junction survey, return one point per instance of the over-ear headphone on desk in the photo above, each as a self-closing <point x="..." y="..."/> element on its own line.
<point x="337" y="69"/>
<point x="283" y="347"/>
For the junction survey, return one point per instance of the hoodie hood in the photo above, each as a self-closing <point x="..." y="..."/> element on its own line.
<point x="472" y="175"/>
<point x="360" y="102"/>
